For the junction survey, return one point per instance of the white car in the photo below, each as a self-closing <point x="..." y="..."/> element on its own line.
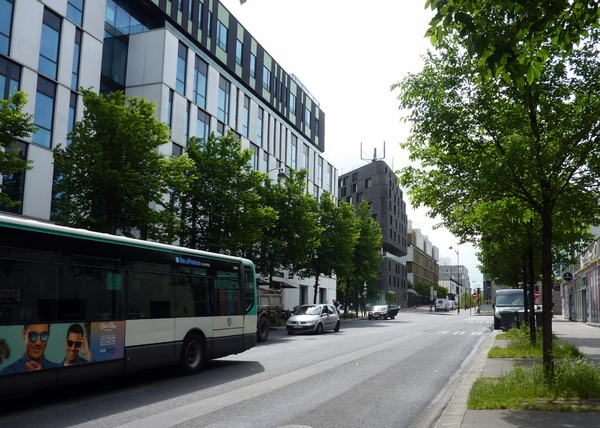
<point x="313" y="318"/>
<point x="441" y="305"/>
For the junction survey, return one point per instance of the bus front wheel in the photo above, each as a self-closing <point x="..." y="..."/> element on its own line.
<point x="192" y="355"/>
<point x="262" y="332"/>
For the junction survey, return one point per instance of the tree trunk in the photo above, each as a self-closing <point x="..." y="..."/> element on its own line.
<point x="547" y="280"/>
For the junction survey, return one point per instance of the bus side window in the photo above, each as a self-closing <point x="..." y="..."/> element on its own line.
<point x="28" y="291"/>
<point x="149" y="291"/>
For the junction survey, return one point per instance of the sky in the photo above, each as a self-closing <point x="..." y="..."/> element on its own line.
<point x="348" y="53"/>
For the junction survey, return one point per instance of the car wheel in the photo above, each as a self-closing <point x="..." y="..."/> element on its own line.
<point x="337" y="327"/>
<point x="192" y="354"/>
<point x="319" y="328"/>
<point x="497" y="323"/>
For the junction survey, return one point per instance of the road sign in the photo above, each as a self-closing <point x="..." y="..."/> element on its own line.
<point x="568" y="276"/>
<point x="536" y="294"/>
<point x="474" y="295"/>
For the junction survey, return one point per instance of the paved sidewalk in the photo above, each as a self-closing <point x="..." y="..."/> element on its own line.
<point x="456" y="415"/>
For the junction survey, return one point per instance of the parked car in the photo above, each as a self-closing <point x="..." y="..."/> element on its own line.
<point x="313" y="318"/>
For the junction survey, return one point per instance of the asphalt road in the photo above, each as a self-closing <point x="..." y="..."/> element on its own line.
<point x="371" y="373"/>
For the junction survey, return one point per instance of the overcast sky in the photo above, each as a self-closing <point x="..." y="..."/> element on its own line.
<point x="348" y="53"/>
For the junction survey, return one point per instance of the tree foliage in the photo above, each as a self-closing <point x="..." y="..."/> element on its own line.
<point x="217" y="201"/>
<point x="510" y="38"/>
<point x="481" y="141"/>
<point x="111" y="177"/>
<point x="14" y="125"/>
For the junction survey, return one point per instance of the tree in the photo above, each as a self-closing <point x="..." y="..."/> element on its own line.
<point x="336" y="240"/>
<point x="219" y="205"/>
<point x="14" y="125"/>
<point x="295" y="232"/>
<point x="111" y="177"/>
<point x="488" y="140"/>
<point x="510" y="38"/>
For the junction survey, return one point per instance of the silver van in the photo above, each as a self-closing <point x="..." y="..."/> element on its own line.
<point x="508" y="300"/>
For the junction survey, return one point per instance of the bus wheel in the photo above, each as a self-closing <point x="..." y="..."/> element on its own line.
<point x="192" y="354"/>
<point x="262" y="332"/>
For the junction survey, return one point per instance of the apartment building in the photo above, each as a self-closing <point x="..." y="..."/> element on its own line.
<point x="377" y="184"/>
<point x="193" y="58"/>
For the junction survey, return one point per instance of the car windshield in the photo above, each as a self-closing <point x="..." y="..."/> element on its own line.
<point x="308" y="310"/>
<point x="380" y="308"/>
<point x="510" y="300"/>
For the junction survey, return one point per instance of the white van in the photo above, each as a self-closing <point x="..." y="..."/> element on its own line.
<point x="441" y="305"/>
<point x="508" y="300"/>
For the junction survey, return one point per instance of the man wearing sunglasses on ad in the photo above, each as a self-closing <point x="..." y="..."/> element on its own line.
<point x="76" y="343"/>
<point x="36" y="339"/>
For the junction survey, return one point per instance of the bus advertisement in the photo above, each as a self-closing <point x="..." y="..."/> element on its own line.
<point x="78" y="305"/>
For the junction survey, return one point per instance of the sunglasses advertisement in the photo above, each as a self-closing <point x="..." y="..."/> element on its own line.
<point x="42" y="346"/>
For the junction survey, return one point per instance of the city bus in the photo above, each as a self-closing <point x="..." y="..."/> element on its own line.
<point x="78" y="305"/>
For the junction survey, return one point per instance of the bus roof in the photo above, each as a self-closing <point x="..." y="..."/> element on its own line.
<point x="51" y="228"/>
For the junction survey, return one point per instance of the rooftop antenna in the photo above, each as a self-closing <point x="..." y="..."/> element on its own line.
<point x="375" y="158"/>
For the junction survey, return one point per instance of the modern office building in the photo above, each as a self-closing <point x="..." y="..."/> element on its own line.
<point x="455" y="278"/>
<point x="202" y="68"/>
<point x="422" y="259"/>
<point x="377" y="184"/>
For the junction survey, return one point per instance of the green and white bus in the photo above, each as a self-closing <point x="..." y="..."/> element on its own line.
<point x="78" y="305"/>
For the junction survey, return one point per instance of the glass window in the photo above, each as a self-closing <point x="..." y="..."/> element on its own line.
<point x="265" y="162"/>
<point x="221" y="35"/>
<point x="190" y="9"/>
<point x="72" y="114"/>
<point x="254" y="156"/>
<point x="292" y="103"/>
<point x="266" y="78"/>
<point x="181" y="69"/>
<point x="10" y="76"/>
<point x="75" y="11"/>
<point x="305" y="157"/>
<point x="202" y="125"/>
<point x="220" y="129"/>
<point x="76" y="53"/>
<point x="239" y="51"/>
<point x="6" y="9"/>
<point x="200" y="9"/>
<point x="259" y="127"/>
<point x="187" y="121"/>
<point x="44" y="112"/>
<point x="170" y="109"/>
<point x="223" y="101"/>
<point x="320" y="173"/>
<point x="200" y="73"/>
<point x="149" y="291"/>
<point x="307" y="118"/>
<point x="246" y="117"/>
<point x="252" y="65"/>
<point x="48" y="62"/>
<point x="294" y="152"/>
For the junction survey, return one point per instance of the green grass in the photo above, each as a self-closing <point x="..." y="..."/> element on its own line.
<point x="575" y="385"/>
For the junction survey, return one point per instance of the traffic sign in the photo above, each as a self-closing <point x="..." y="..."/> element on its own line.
<point x="474" y="295"/>
<point x="536" y="294"/>
<point x="568" y="276"/>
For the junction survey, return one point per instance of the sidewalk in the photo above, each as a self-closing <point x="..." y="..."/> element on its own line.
<point x="456" y="415"/>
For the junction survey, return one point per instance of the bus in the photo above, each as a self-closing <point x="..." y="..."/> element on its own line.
<point x="77" y="305"/>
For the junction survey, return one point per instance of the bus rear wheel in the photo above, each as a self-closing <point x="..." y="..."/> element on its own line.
<point x="193" y="354"/>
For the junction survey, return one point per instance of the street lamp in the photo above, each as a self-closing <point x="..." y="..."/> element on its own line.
<point x="458" y="277"/>
<point x="281" y="175"/>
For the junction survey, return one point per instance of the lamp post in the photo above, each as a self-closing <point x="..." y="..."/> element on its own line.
<point x="458" y="277"/>
<point x="281" y="175"/>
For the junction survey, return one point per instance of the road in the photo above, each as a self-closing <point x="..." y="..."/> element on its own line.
<point x="371" y="373"/>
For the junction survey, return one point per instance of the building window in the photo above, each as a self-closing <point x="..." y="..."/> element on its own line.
<point x="220" y="129"/>
<point x="221" y="35"/>
<point x="253" y="66"/>
<point x="294" y="152"/>
<point x="266" y="82"/>
<point x="200" y="9"/>
<point x="72" y="115"/>
<point x="320" y="173"/>
<point x="75" y="11"/>
<point x="292" y="103"/>
<point x="6" y="9"/>
<point x="239" y="51"/>
<point x="307" y="118"/>
<point x="44" y="112"/>
<point x="201" y="71"/>
<point x="354" y="187"/>
<point x="259" y="127"/>
<point x="254" y="156"/>
<point x="246" y="116"/>
<point x="76" y="56"/>
<point x="202" y="125"/>
<point x="50" y="41"/>
<point x="190" y="9"/>
<point x="10" y="76"/>
<point x="181" y="68"/>
<point x="367" y="183"/>
<point x="187" y="121"/>
<point x="170" y="109"/>
<point x="305" y="158"/>
<point x="223" y="102"/>
<point x="359" y="198"/>
<point x="265" y="162"/>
